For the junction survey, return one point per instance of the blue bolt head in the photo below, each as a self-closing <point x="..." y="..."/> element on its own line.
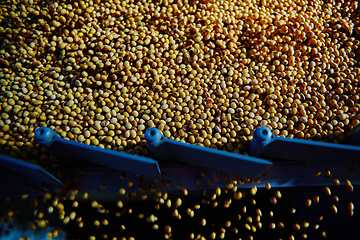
<point x="45" y="136"/>
<point x="153" y="137"/>
<point x="263" y="134"/>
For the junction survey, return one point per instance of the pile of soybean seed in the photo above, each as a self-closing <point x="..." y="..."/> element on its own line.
<point x="203" y="72"/>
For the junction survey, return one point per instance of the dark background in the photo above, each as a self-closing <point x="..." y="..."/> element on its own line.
<point x="336" y="226"/>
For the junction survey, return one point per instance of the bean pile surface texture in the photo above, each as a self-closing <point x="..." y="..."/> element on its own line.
<point x="203" y="72"/>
